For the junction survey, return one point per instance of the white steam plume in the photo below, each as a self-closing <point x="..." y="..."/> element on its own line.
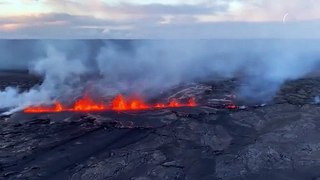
<point x="147" y="67"/>
<point x="60" y="77"/>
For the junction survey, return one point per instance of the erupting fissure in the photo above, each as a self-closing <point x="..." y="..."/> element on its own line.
<point x="119" y="103"/>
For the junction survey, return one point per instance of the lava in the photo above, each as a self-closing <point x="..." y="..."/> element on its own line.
<point x="87" y="104"/>
<point x="192" y="102"/>
<point x="119" y="103"/>
<point x="232" y="106"/>
<point x="57" y="107"/>
<point x="174" y="103"/>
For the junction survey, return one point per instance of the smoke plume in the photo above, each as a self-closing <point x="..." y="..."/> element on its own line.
<point x="105" y="68"/>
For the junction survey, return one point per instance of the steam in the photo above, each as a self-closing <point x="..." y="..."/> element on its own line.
<point x="61" y="79"/>
<point x="105" y="68"/>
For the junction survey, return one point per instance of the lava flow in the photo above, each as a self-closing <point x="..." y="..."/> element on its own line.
<point x="119" y="103"/>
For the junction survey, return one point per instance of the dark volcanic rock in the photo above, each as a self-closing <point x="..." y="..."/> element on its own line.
<point x="18" y="79"/>
<point x="277" y="141"/>
<point x="299" y="92"/>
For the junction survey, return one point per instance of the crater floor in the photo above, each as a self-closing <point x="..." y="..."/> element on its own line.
<point x="277" y="141"/>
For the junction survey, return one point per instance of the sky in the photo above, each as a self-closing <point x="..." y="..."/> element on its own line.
<point x="157" y="19"/>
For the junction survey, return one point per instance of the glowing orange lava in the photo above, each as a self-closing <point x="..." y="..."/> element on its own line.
<point x="119" y="103"/>
<point x="160" y="105"/>
<point x="87" y="104"/>
<point x="192" y="102"/>
<point x="57" y="107"/>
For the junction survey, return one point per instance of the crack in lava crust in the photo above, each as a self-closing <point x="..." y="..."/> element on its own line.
<point x="119" y="103"/>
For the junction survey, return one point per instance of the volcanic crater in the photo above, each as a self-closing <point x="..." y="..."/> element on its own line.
<point x="218" y="137"/>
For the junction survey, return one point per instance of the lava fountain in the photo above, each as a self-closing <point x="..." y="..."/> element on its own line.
<point x="119" y="103"/>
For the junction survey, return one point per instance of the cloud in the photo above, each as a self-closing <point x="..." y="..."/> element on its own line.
<point x="164" y="19"/>
<point x="78" y="26"/>
<point x="274" y="10"/>
<point x="59" y="25"/>
<point x="127" y="10"/>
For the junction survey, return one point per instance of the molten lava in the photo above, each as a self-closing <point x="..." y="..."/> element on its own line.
<point x="57" y="107"/>
<point x="192" y="102"/>
<point x="119" y="103"/>
<point x="232" y="106"/>
<point x="87" y="104"/>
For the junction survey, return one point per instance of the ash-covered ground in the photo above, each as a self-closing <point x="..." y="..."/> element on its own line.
<point x="279" y="140"/>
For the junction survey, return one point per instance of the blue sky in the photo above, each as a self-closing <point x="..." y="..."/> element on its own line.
<point x="159" y="19"/>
